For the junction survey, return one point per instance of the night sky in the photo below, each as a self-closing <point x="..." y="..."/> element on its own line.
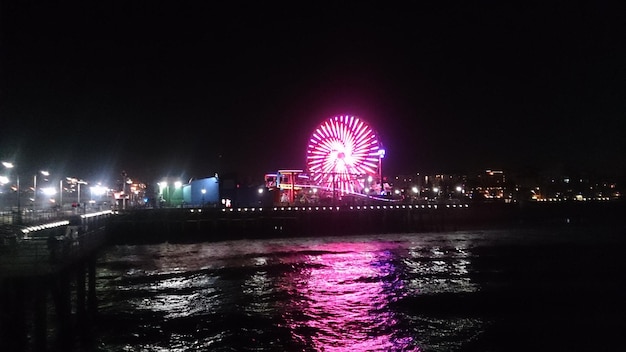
<point x="194" y="87"/>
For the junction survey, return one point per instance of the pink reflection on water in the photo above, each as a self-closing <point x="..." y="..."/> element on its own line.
<point x="343" y="292"/>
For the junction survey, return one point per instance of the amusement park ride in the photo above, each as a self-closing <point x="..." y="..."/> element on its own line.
<point x="343" y="160"/>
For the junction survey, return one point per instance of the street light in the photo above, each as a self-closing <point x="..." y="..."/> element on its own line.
<point x="61" y="194"/>
<point x="48" y="191"/>
<point x="77" y="182"/>
<point x="436" y="192"/>
<point x="381" y="155"/>
<point x="129" y="182"/>
<point x="4" y="180"/>
<point x="46" y="174"/>
<point x="8" y="165"/>
<point x="162" y="187"/>
<point x="98" y="190"/>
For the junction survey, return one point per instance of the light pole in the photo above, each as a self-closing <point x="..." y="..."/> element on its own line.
<point x="98" y="191"/>
<point x="124" y="178"/>
<point x="19" y="205"/>
<point x="35" y="193"/>
<point x="381" y="155"/>
<point x="77" y="182"/>
<point x="49" y="192"/>
<point x="18" y="218"/>
<point x="80" y="182"/>
<point x="177" y="186"/>
<point x="61" y="194"/>
<point x="45" y="173"/>
<point x="129" y="182"/>
<point x="163" y="186"/>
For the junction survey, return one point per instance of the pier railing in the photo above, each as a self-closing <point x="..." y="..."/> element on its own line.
<point x="46" y="248"/>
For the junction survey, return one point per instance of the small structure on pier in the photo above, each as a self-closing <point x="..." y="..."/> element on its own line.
<point x="287" y="186"/>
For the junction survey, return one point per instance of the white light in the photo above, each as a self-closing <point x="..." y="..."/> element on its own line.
<point x="49" y="191"/>
<point x="98" y="190"/>
<point x="178" y="184"/>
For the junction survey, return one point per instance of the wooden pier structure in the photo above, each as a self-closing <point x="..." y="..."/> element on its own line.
<point x="47" y="282"/>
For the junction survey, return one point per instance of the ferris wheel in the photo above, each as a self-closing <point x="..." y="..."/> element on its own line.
<point x="344" y="154"/>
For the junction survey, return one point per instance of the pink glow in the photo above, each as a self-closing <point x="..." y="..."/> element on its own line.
<point x="343" y="150"/>
<point x="344" y="300"/>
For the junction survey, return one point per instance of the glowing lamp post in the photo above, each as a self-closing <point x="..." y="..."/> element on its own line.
<point x="381" y="155"/>
<point x="127" y="181"/>
<point x="60" y="204"/>
<point x="61" y="194"/>
<point x="49" y="191"/>
<point x="162" y="187"/>
<point x="98" y="191"/>
<point x="18" y="218"/>
<point x="177" y="186"/>
<point x="44" y="173"/>
<point x="77" y="182"/>
<point x="3" y="180"/>
<point x="80" y="183"/>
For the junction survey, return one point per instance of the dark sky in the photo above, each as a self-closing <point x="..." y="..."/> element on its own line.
<point x="195" y="87"/>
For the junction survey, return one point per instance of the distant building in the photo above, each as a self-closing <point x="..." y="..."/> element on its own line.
<point x="202" y="192"/>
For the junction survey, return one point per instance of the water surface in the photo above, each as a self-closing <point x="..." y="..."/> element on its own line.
<point x="555" y="288"/>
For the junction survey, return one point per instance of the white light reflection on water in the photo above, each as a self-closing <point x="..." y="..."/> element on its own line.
<point x="439" y="270"/>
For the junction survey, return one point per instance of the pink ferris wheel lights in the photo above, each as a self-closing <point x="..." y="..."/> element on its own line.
<point x="342" y="152"/>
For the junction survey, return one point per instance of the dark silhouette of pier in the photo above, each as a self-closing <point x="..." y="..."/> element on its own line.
<point x="217" y="224"/>
<point x="47" y="282"/>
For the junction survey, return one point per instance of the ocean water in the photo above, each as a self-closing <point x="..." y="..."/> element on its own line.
<point x="557" y="288"/>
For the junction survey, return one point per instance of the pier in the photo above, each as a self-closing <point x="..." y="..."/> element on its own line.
<point x="218" y="224"/>
<point x="47" y="282"/>
<point x="179" y="225"/>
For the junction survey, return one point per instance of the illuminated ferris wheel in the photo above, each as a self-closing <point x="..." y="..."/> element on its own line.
<point x="344" y="154"/>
